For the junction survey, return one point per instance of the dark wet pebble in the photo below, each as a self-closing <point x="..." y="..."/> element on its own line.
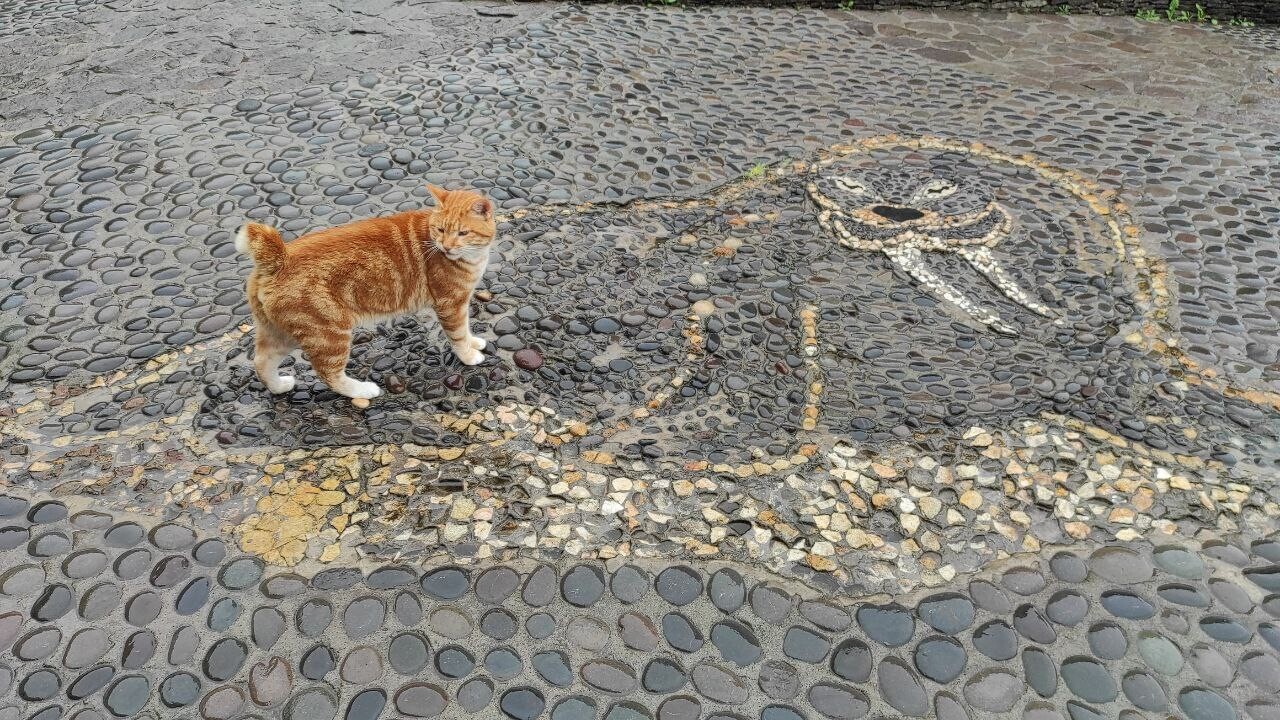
<point x="890" y="625"/>
<point x="940" y="659"/>
<point x="679" y="585"/>
<point x="947" y="613"/>
<point x="680" y="633"/>
<point x="522" y="703"/>
<point x="839" y="702"/>
<point x="446" y="583"/>
<point x="852" y="661"/>
<point x="582" y="586"/>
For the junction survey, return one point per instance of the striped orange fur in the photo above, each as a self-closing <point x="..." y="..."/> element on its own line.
<point x="312" y="292"/>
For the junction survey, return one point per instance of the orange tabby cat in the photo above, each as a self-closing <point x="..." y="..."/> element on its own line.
<point x="312" y="292"/>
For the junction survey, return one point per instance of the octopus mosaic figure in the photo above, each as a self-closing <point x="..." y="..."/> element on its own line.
<point x="904" y="216"/>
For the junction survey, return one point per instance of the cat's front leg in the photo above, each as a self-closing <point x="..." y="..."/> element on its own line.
<point x="456" y="321"/>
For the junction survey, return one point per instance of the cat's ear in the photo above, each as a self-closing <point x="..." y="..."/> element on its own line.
<point x="438" y="193"/>
<point x="483" y="207"/>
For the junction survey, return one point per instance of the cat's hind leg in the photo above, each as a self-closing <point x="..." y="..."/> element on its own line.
<point x="328" y="347"/>
<point x="271" y="343"/>
<point x="271" y="346"/>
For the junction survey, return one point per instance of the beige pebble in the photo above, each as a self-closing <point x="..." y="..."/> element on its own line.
<point x="360" y="403"/>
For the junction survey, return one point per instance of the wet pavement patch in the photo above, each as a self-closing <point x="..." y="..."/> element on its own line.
<point x="901" y="392"/>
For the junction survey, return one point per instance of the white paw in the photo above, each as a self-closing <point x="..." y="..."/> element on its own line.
<point x="477" y="343"/>
<point x="281" y="384"/>
<point x="356" y="389"/>
<point x="469" y="356"/>
<point x="364" y="390"/>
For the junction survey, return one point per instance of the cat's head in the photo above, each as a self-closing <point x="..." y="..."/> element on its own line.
<point x="462" y="223"/>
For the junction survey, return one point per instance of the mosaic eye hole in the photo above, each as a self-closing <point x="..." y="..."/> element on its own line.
<point x="850" y="185"/>
<point x="935" y="190"/>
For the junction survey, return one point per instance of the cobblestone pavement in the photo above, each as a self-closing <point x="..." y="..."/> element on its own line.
<point x="843" y="365"/>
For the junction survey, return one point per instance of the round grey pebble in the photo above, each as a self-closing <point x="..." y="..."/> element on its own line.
<point x="496" y="584"/>
<point x="679" y="585"/>
<point x="890" y="625"/>
<point x="769" y="603"/>
<point x="946" y="612"/>
<point x="423" y="700"/>
<point x="1120" y="565"/>
<point x="361" y="666"/>
<point x="475" y="695"/>
<point x="779" y="680"/>
<point x="680" y="633"/>
<point x="637" y="631"/>
<point x="901" y="689"/>
<point x="363" y="617"/>
<point x="824" y="615"/>
<point x="629" y="584"/>
<point x="409" y="652"/>
<point x="582" y="586"/>
<point x="805" y="645"/>
<point x="610" y="676"/>
<point x="313" y="703"/>
<point x="588" y="633"/>
<point x="451" y="622"/>
<point x="738" y="644"/>
<point x="540" y="625"/>
<point x="574" y="708"/>
<point x="446" y="583"/>
<point x="720" y="684"/>
<point x="680" y="708"/>
<point x="1089" y="679"/>
<point x="540" y="587"/>
<point x="993" y="690"/>
<point x="838" y="702"/>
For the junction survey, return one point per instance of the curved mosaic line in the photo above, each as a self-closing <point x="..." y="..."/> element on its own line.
<point x="106" y="617"/>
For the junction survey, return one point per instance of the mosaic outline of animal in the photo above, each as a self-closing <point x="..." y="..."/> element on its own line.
<point x="905" y="216"/>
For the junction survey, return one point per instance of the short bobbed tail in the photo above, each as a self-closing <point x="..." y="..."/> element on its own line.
<point x="264" y="244"/>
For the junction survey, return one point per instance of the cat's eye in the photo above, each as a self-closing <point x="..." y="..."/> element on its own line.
<point x="935" y="190"/>
<point x="463" y="233"/>
<point x="851" y="185"/>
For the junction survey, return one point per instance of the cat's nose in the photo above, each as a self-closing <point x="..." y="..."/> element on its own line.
<point x="896" y="213"/>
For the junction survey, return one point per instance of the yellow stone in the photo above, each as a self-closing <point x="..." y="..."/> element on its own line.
<point x="883" y="471"/>
<point x="1077" y="530"/>
<point x="819" y="563"/>
<point x="450" y="453"/>
<point x="329" y="498"/>
<point x="971" y="499"/>
<point x="330" y="553"/>
<point x="292" y="552"/>
<point x="257" y="542"/>
<point x="1122" y="515"/>
<point x="597" y="457"/>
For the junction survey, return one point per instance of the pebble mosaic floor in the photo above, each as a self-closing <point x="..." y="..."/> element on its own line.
<point x="842" y="365"/>
<point x="108" y="619"/>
